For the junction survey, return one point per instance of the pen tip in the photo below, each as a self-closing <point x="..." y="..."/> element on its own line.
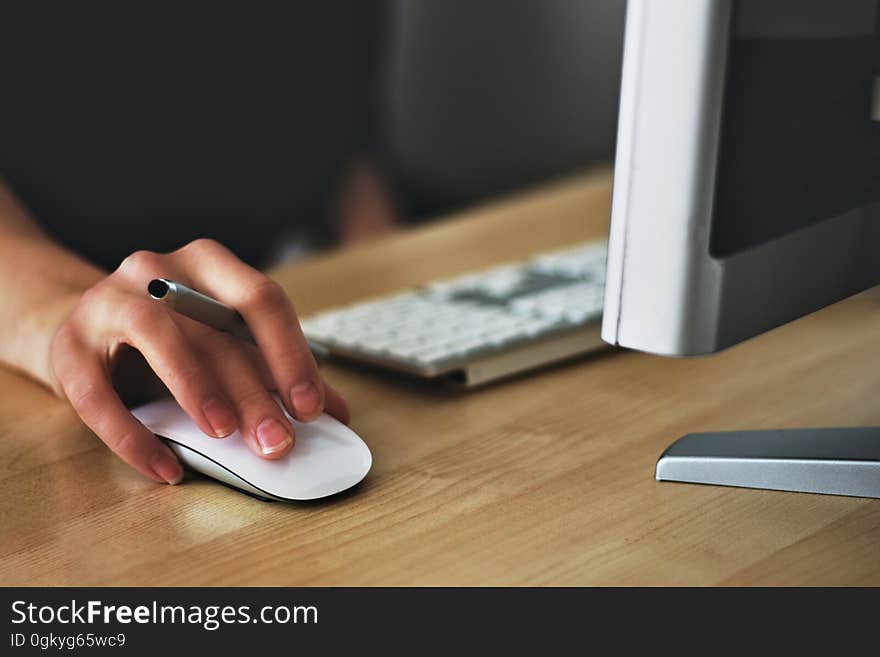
<point x="157" y="288"/>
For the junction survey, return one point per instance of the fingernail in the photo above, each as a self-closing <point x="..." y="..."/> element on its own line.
<point x="166" y="468"/>
<point x="306" y="401"/>
<point x="220" y="417"/>
<point x="273" y="437"/>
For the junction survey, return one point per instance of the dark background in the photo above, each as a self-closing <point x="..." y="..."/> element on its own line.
<point x="135" y="125"/>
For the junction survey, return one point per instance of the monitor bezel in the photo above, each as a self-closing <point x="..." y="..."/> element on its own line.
<point x="665" y="293"/>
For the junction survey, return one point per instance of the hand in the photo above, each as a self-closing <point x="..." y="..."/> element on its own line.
<point x="222" y="383"/>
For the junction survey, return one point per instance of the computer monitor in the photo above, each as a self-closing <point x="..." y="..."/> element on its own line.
<point x="746" y="194"/>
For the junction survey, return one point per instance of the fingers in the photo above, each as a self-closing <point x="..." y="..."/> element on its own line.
<point x="139" y="268"/>
<point x="262" y="422"/>
<point x="270" y="317"/>
<point x="220" y="382"/>
<point x="334" y="404"/>
<point x="149" y="328"/>
<point x="86" y="384"/>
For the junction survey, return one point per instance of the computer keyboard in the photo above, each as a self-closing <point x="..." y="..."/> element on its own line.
<point x="478" y="327"/>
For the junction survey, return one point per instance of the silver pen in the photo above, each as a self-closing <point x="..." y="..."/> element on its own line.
<point x="211" y="312"/>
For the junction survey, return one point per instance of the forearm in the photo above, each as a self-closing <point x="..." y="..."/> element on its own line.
<point x="40" y="283"/>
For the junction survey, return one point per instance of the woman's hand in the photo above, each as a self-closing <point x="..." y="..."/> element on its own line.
<point x="222" y="383"/>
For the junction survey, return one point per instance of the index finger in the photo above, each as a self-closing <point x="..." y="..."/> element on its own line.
<point x="270" y="316"/>
<point x="87" y="386"/>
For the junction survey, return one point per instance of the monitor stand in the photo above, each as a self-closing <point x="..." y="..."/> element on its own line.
<point x="843" y="461"/>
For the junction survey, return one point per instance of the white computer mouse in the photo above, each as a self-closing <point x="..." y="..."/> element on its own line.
<point x="327" y="458"/>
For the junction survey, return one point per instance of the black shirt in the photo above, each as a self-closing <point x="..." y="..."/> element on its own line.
<point x="125" y="127"/>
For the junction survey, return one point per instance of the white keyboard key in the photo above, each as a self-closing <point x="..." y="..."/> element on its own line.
<point x="438" y="323"/>
<point x="503" y="337"/>
<point x="466" y="347"/>
<point x="538" y="326"/>
<point x="433" y="355"/>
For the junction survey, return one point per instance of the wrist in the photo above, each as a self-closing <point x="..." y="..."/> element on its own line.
<point x="31" y="344"/>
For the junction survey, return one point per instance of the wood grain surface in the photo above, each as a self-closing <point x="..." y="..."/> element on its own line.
<point x="544" y="479"/>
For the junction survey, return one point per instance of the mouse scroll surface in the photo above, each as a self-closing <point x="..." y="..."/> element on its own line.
<point x="327" y="458"/>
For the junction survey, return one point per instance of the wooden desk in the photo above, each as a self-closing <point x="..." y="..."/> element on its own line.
<point x="547" y="479"/>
